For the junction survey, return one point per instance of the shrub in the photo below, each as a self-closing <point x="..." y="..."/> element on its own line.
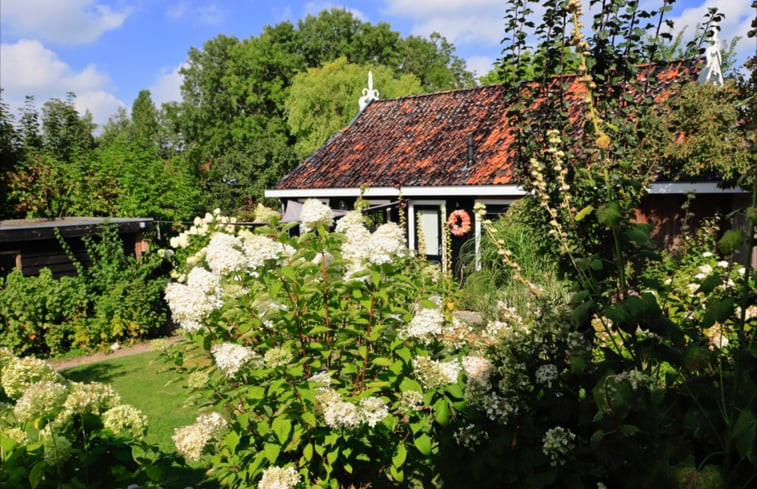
<point x="58" y="433"/>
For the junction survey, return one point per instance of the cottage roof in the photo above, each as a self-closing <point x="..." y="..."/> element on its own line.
<point x="423" y="140"/>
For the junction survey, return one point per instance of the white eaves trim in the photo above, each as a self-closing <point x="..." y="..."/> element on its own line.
<point x="451" y="191"/>
<point x="696" y="187"/>
<point x="502" y="191"/>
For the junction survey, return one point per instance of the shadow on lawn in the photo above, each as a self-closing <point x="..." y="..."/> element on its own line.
<point x="98" y="372"/>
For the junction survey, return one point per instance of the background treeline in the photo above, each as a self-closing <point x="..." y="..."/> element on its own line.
<point x="241" y="125"/>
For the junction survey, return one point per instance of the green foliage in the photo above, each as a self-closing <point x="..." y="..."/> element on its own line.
<point x="58" y="433"/>
<point x="117" y="299"/>
<point x="39" y="314"/>
<point x="493" y="282"/>
<point x="686" y="135"/>
<point x="323" y="100"/>
<point x="312" y="363"/>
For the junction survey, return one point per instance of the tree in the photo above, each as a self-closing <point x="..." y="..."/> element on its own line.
<point x="323" y="100"/>
<point x="144" y="121"/>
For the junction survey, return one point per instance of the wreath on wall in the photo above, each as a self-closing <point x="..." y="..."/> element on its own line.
<point x="459" y="223"/>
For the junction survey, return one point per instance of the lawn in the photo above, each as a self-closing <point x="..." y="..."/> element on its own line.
<point x="144" y="381"/>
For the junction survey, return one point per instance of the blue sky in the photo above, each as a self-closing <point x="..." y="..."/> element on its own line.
<point x="106" y="51"/>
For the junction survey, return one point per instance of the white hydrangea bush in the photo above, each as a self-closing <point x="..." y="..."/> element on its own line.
<point x="327" y="351"/>
<point x="65" y="431"/>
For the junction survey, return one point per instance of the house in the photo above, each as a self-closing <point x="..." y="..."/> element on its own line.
<point x="31" y="244"/>
<point x="444" y="152"/>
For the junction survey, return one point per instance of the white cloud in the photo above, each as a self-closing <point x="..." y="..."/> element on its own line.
<point x="465" y="23"/>
<point x="167" y="88"/>
<point x="479" y="65"/>
<point x="314" y="8"/>
<point x="738" y="16"/>
<point x="29" y="68"/>
<point x="205" y="13"/>
<point x="60" y="21"/>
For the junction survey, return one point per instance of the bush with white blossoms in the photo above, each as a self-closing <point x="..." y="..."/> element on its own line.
<point x="328" y="360"/>
<point x="58" y="433"/>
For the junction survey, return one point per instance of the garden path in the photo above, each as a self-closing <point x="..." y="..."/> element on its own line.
<point x="142" y="347"/>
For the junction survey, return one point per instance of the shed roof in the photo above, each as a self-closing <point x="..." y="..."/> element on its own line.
<point x="422" y="140"/>
<point x="42" y="228"/>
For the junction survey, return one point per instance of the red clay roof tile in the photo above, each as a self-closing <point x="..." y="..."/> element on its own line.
<point x="422" y="140"/>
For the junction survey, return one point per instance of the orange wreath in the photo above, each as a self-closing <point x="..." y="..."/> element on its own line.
<point x="459" y="223"/>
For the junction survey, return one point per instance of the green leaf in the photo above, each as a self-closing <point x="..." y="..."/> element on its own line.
<point x="731" y="241"/>
<point x="409" y="384"/>
<point x="231" y="440"/>
<point x="718" y="310"/>
<point x="609" y="215"/>
<point x="282" y="427"/>
<point x="584" y="212"/>
<point x="307" y="452"/>
<point x="400" y="455"/>
<point x="255" y="393"/>
<point x="35" y="475"/>
<point x="309" y="418"/>
<point x="743" y="437"/>
<point x="332" y="456"/>
<point x="271" y="452"/>
<point x="396" y="475"/>
<point x="441" y="412"/>
<point x="709" y="284"/>
<point x="423" y="444"/>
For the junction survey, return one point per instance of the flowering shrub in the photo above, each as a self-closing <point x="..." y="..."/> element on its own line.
<point x="58" y="433"/>
<point x="330" y="356"/>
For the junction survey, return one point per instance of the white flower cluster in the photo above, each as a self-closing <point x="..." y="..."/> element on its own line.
<point x="425" y="325"/>
<point x="39" y="400"/>
<point x="190" y="303"/>
<point x="477" y="369"/>
<point x="469" y="436"/>
<point x="557" y="442"/>
<point x="433" y="373"/>
<point x="224" y="255"/>
<point x="546" y="373"/>
<point x="265" y="214"/>
<point x="231" y="357"/>
<point x="20" y="373"/>
<point x="201" y="226"/>
<point x="279" y="478"/>
<point x="278" y="356"/>
<point x="338" y="413"/>
<point x="361" y="246"/>
<point x="57" y="448"/>
<point x="497" y="408"/>
<point x="191" y="440"/>
<point x="259" y="249"/>
<point x="411" y="400"/>
<point x="126" y="419"/>
<point x="315" y="214"/>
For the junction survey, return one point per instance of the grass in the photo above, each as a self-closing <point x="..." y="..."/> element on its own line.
<point x="144" y="381"/>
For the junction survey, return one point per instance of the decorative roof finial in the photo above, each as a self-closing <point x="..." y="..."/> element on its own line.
<point x="369" y="94"/>
<point x="712" y="71"/>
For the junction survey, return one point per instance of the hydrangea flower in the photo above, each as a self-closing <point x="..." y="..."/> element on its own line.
<point x="557" y="442"/>
<point x="40" y="400"/>
<point x="20" y="373"/>
<point x="425" y="325"/>
<point x="126" y="419"/>
<point x="546" y="373"/>
<point x="224" y="254"/>
<point x="231" y="357"/>
<point x="373" y="410"/>
<point x="314" y="214"/>
<point x="190" y="441"/>
<point x="279" y="478"/>
<point x="433" y="373"/>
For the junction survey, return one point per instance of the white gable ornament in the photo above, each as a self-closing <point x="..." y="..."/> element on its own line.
<point x="712" y="71"/>
<point x="369" y="94"/>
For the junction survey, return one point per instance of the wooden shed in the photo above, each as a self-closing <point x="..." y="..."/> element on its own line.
<point x="31" y="244"/>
